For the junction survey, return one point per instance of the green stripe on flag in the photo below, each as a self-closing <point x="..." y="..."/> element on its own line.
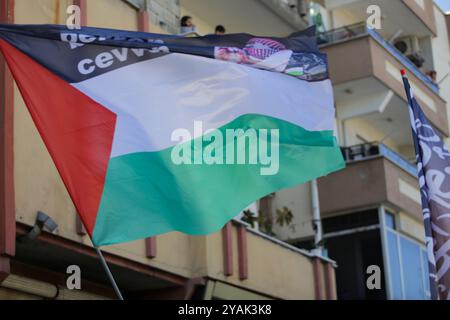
<point x="146" y="194"/>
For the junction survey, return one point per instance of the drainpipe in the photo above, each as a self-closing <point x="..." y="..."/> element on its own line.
<point x="317" y="222"/>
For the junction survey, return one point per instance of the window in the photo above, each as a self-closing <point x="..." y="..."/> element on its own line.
<point x="390" y="220"/>
<point x="426" y="275"/>
<point x="412" y="270"/>
<point x="408" y="267"/>
<point x="350" y="221"/>
<point x="395" y="272"/>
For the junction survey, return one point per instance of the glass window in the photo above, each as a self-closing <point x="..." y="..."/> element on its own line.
<point x="390" y="220"/>
<point x="412" y="270"/>
<point x="394" y="266"/>
<point x="426" y="275"/>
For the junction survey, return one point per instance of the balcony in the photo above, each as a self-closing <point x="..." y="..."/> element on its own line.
<point x="374" y="175"/>
<point x="236" y="263"/>
<point x="409" y="16"/>
<point x="365" y="70"/>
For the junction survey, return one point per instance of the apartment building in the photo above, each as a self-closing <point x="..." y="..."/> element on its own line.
<point x="371" y="213"/>
<point x="238" y="262"/>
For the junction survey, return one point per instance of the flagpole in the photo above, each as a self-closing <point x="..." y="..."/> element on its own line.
<point x="427" y="225"/>
<point x="109" y="274"/>
<point x="106" y="268"/>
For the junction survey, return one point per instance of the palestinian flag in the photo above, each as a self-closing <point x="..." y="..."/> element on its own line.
<point x="154" y="133"/>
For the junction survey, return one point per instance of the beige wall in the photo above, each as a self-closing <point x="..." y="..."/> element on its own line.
<point x="111" y="14"/>
<point x="279" y="272"/>
<point x="203" y="27"/>
<point x="16" y="287"/>
<point x="411" y="227"/>
<point x="369" y="183"/>
<point x="426" y="13"/>
<point x="342" y="17"/>
<point x="40" y="11"/>
<point x="298" y="200"/>
<point x="249" y="16"/>
<point x="8" y="294"/>
<point x="38" y="185"/>
<point x="361" y="127"/>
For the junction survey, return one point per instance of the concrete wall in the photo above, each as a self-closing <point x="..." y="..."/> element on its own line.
<point x="249" y="16"/>
<point x="41" y="11"/>
<point x="411" y="227"/>
<point x="279" y="272"/>
<point x="111" y="14"/>
<point x="360" y="127"/>
<point x="298" y="200"/>
<point x="342" y="17"/>
<point x="368" y="183"/>
<point x="23" y="288"/>
<point x="424" y="10"/>
<point x="164" y="16"/>
<point x="203" y="26"/>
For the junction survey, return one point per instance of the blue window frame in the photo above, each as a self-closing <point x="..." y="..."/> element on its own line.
<point x="407" y="264"/>
<point x="394" y="266"/>
<point x="390" y="220"/>
<point x="412" y="270"/>
<point x="426" y="274"/>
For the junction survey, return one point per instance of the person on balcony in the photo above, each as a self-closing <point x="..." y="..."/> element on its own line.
<point x="220" y="30"/>
<point x="187" y="25"/>
<point x="414" y="57"/>
<point x="432" y="75"/>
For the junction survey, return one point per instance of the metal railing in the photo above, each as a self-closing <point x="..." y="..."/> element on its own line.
<point x="282" y="243"/>
<point x="368" y="150"/>
<point x="342" y="34"/>
<point x="360" y="30"/>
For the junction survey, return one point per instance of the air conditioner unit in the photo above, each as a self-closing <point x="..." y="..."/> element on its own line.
<point x="410" y="43"/>
<point x="409" y="46"/>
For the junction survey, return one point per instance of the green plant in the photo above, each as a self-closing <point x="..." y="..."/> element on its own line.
<point x="249" y="217"/>
<point x="284" y="216"/>
<point x="265" y="224"/>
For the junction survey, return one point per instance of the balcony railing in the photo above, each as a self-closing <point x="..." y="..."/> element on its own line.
<point x="360" y="30"/>
<point x="367" y="150"/>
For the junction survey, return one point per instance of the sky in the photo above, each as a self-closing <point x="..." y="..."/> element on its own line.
<point x="445" y="4"/>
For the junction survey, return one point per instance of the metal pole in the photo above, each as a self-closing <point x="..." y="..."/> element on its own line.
<point x="108" y="273"/>
<point x="318" y="239"/>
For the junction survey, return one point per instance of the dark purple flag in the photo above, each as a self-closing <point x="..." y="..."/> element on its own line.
<point x="433" y="164"/>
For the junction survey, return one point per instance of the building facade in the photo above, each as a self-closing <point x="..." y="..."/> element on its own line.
<point x="370" y="211"/>
<point x="238" y="262"/>
<point x="373" y="206"/>
<point x="378" y="212"/>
